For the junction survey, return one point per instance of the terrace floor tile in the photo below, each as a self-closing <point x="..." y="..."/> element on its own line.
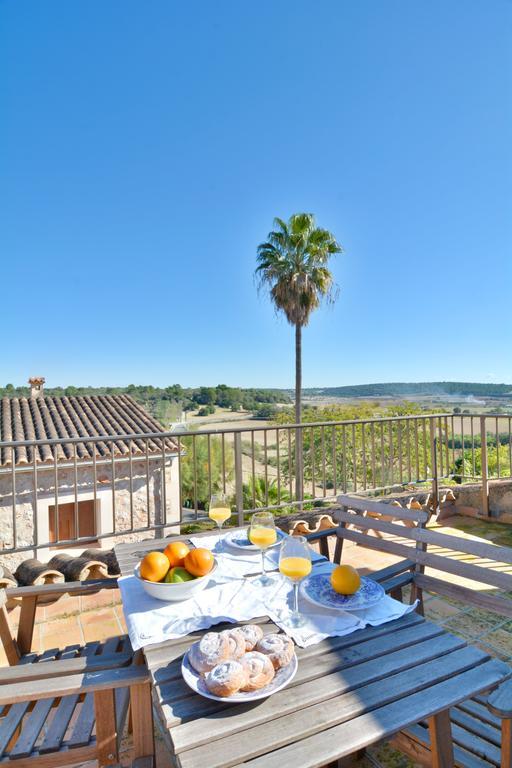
<point x="469" y="626"/>
<point x="438" y="610"/>
<point x="100" y="625"/>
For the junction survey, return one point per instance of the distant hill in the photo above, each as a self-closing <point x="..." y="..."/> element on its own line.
<point x="426" y="388"/>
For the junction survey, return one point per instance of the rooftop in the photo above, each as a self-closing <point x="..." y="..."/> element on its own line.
<point x="53" y="418"/>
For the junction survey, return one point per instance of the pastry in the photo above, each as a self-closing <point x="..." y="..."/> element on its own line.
<point x="252" y="633"/>
<point x="259" y="669"/>
<point x="212" y="649"/>
<point x="279" y="649"/>
<point x="237" y="642"/>
<point x="226" y="679"/>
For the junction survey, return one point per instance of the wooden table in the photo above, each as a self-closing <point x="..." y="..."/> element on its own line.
<point x="349" y="692"/>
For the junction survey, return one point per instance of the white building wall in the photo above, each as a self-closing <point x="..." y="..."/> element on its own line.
<point x="110" y="506"/>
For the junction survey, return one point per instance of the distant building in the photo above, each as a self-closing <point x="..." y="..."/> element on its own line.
<point x="75" y="494"/>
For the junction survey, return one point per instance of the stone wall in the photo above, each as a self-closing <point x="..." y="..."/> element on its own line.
<point x="109" y="506"/>
<point x="500" y="496"/>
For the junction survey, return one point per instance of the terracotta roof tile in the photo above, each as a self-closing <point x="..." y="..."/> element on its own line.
<point x="49" y="418"/>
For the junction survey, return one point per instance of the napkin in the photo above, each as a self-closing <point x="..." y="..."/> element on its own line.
<point x="153" y="621"/>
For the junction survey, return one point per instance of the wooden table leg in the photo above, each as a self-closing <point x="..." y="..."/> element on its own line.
<point x="440" y="729"/>
<point x="506" y="743"/>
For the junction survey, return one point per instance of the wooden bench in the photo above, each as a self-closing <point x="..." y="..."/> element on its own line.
<point x="481" y="727"/>
<point x="71" y="704"/>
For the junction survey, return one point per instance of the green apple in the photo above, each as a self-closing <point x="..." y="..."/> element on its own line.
<point x="177" y="575"/>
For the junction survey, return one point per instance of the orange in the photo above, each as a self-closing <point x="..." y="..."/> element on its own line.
<point x="345" y="580"/>
<point x="176" y="552"/>
<point x="199" y="561"/>
<point x="154" y="566"/>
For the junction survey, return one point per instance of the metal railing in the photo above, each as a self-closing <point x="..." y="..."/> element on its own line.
<point x="134" y="483"/>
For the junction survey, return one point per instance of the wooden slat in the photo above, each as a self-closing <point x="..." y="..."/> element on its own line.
<point x="415" y="742"/>
<point x="480" y="549"/>
<point x="397" y="582"/>
<point x="173" y="651"/>
<point x="366" y="643"/>
<point x="480" y="711"/>
<point x="344" y="739"/>
<point x="26" y="624"/>
<point x="9" y="724"/>
<point x="90" y="681"/>
<point x="33" y="724"/>
<point x="500" y="700"/>
<point x="495" y="603"/>
<point x="10" y="646"/>
<point x="331" y="681"/>
<point x="72" y="666"/>
<point x="478" y="746"/>
<point x="106" y="727"/>
<point x="142" y="720"/>
<point x="473" y="725"/>
<point x="322" y="719"/>
<point x="392" y="570"/>
<point x="437" y="562"/>
<point x="62" y="717"/>
<point x="381" y="508"/>
<point x="71" y="587"/>
<point x="81" y="731"/>
<point x="178" y="705"/>
<point x="65" y="757"/>
<point x="31" y="729"/>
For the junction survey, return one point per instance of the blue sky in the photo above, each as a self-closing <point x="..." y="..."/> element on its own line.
<point x="146" y="147"/>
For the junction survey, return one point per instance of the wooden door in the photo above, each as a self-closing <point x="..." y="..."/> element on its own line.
<point x="66" y="523"/>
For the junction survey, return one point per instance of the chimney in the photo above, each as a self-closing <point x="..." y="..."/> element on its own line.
<point x="36" y="386"/>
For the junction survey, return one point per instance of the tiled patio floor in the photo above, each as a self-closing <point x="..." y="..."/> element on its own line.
<point x="89" y="620"/>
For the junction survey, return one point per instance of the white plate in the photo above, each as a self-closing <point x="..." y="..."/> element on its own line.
<point x="239" y="540"/>
<point x="317" y="589"/>
<point x="282" y="677"/>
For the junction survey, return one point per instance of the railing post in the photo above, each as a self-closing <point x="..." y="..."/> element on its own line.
<point x="299" y="467"/>
<point x="485" y="469"/>
<point x="433" y="458"/>
<point x="239" y="486"/>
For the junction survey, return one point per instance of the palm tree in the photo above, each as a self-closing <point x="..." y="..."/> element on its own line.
<point x="292" y="264"/>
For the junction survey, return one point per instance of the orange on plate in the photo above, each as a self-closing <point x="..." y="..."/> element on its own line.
<point x="176" y="553"/>
<point x="154" y="566"/>
<point x="199" y="561"/>
<point x="345" y="580"/>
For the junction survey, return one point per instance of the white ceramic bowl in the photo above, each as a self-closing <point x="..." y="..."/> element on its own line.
<point x="174" y="593"/>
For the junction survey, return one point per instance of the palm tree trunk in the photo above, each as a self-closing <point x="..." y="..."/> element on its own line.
<point x="298" y="413"/>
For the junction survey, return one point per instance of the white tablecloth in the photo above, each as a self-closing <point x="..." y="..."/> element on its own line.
<point x="235" y="597"/>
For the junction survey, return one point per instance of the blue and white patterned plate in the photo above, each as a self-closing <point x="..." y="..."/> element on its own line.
<point x="240" y="540"/>
<point x="317" y="588"/>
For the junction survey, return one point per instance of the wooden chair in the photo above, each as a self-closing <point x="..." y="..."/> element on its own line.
<point x="481" y="727"/>
<point x="68" y="705"/>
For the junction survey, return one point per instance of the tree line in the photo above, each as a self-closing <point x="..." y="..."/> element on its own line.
<point x="166" y="403"/>
<point x="465" y="389"/>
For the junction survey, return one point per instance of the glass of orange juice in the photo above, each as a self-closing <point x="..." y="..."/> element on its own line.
<point x="263" y="534"/>
<point x="219" y="510"/>
<point x="295" y="564"/>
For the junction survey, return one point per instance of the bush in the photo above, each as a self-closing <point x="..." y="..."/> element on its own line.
<point x="206" y="410"/>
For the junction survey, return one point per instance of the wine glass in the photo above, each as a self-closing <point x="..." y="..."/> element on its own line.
<point x="295" y="564"/>
<point x="219" y="509"/>
<point x="263" y="534"/>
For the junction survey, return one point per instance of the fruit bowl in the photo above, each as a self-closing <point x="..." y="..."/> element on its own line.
<point x="175" y="592"/>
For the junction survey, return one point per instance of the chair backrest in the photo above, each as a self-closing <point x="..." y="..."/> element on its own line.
<point x="443" y="553"/>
